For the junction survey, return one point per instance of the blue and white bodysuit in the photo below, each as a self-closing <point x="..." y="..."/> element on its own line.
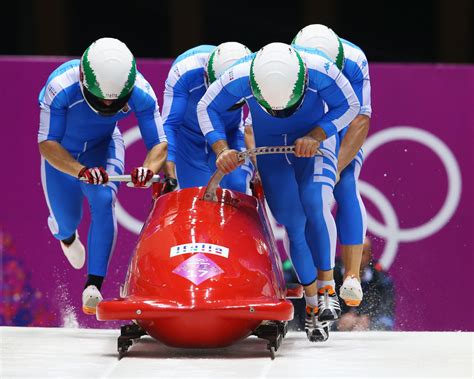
<point x="187" y="147"/>
<point x="351" y="217"/>
<point x="93" y="140"/>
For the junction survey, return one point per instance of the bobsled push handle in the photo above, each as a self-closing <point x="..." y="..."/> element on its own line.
<point x="210" y="193"/>
<point x="126" y="178"/>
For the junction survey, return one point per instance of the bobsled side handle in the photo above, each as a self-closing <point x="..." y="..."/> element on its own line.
<point x="210" y="194"/>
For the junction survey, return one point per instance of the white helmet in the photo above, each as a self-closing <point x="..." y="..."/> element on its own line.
<point x="222" y="57"/>
<point x="321" y="37"/>
<point x="108" y="72"/>
<point x="278" y="79"/>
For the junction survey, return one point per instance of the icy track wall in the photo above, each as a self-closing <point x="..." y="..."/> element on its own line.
<point x="416" y="181"/>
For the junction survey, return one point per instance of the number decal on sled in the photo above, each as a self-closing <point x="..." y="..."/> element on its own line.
<point x="198" y="269"/>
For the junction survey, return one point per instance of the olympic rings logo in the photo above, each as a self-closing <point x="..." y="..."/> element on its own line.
<point x="390" y="231"/>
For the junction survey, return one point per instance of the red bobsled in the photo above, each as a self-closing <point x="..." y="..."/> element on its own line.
<point x="205" y="273"/>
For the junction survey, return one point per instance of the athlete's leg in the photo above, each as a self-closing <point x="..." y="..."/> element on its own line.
<point x="103" y="228"/>
<point x="101" y="241"/>
<point x="281" y="192"/>
<point x="315" y="177"/>
<point x="352" y="225"/>
<point x="351" y="218"/>
<point x="64" y="198"/>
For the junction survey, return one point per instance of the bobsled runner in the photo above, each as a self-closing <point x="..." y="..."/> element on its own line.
<point x="205" y="272"/>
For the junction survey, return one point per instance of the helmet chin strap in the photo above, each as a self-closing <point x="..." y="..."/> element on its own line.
<point x="237" y="105"/>
<point x="206" y="79"/>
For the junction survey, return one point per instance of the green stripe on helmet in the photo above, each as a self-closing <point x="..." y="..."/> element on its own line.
<point x="132" y="75"/>
<point x="90" y="79"/>
<point x="256" y="89"/>
<point x="211" y="74"/>
<point x="298" y="88"/>
<point x="340" y="55"/>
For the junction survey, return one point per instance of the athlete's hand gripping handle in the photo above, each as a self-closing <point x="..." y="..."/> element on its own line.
<point x="227" y="160"/>
<point x="93" y="175"/>
<point x="306" y="147"/>
<point x="141" y="177"/>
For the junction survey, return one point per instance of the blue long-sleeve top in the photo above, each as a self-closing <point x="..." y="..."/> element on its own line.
<point x="184" y="87"/>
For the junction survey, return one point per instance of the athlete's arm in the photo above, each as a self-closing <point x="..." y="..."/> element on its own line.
<point x="342" y="102"/>
<point x="353" y="140"/>
<point x="175" y="101"/>
<point x="52" y="127"/>
<point x="170" y="169"/>
<point x="156" y="157"/>
<point x="343" y="106"/>
<point x="249" y="139"/>
<point x="359" y="128"/>
<point x="59" y="158"/>
<point x="216" y="101"/>
<point x="151" y="129"/>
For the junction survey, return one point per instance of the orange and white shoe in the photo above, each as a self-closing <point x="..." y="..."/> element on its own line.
<point x="91" y="296"/>
<point x="75" y="253"/>
<point x="328" y="304"/>
<point x="351" y="291"/>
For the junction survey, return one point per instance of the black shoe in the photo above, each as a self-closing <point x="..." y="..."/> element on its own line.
<point x="328" y="304"/>
<point x="316" y="331"/>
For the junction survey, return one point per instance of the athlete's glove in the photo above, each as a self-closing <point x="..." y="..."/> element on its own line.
<point x="141" y="177"/>
<point x="169" y="185"/>
<point x="94" y="175"/>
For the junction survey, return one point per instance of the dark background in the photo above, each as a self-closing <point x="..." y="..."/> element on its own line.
<point x="400" y="31"/>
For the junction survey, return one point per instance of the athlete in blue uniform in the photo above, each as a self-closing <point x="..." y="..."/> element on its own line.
<point x="286" y="93"/>
<point x="81" y="105"/>
<point x="351" y="218"/>
<point x="188" y="153"/>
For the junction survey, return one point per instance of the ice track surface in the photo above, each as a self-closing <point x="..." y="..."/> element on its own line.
<point x="60" y="353"/>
